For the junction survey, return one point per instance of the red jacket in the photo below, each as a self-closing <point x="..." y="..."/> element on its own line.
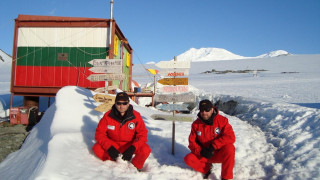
<point x="218" y="134"/>
<point x="131" y="131"/>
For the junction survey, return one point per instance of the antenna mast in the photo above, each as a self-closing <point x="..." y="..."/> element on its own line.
<point x="111" y="18"/>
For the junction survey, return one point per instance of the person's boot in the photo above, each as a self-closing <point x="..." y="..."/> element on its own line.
<point x="206" y="175"/>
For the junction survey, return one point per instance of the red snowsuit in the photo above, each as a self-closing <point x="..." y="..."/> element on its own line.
<point x="122" y="134"/>
<point x="221" y="136"/>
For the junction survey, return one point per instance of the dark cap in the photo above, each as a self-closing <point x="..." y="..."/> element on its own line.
<point x="205" y="105"/>
<point x="122" y="96"/>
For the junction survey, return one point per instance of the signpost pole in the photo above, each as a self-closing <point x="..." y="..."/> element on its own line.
<point x="106" y="86"/>
<point x="154" y="84"/>
<point x="173" y="121"/>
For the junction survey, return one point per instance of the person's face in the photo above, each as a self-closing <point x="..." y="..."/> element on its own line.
<point x="206" y="113"/>
<point x="122" y="106"/>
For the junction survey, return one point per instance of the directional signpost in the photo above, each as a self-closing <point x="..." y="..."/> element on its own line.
<point x="111" y="66"/>
<point x="106" y="65"/>
<point x="177" y="68"/>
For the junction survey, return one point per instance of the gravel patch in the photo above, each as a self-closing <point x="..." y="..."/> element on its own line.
<point x="11" y="138"/>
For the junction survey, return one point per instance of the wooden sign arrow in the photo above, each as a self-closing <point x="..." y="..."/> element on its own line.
<point x="173" y="64"/>
<point x="186" y="97"/>
<point x="104" y="98"/>
<point x="108" y="88"/>
<point x="106" y="77"/>
<point x="173" y="81"/>
<point x="106" y="69"/>
<point x="106" y="62"/>
<point x="172" y="72"/>
<point x="104" y="107"/>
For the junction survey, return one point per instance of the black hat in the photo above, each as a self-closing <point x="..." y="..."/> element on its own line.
<point x="122" y="96"/>
<point x="205" y="105"/>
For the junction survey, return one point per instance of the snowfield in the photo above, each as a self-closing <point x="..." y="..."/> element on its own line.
<point x="276" y="122"/>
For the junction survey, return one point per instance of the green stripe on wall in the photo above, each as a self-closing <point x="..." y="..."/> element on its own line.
<point x="48" y="56"/>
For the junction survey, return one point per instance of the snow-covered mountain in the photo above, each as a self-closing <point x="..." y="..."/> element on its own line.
<point x="207" y="54"/>
<point x="218" y="54"/>
<point x="274" y="54"/>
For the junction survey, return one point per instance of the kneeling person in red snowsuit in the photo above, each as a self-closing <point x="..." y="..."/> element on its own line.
<point x="122" y="131"/>
<point x="211" y="141"/>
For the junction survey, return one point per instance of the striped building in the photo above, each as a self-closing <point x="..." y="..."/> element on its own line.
<point x="52" y="52"/>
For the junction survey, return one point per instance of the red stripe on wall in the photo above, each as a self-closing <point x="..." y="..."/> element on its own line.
<point x="54" y="76"/>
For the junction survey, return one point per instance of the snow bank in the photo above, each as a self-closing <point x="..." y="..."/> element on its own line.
<point x="293" y="131"/>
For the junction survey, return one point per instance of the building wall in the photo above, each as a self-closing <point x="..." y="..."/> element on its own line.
<point x="38" y="49"/>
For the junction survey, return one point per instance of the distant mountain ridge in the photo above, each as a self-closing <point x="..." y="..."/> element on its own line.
<point x="218" y="54"/>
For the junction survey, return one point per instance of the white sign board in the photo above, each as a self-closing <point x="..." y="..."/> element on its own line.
<point x="106" y="62"/>
<point x="173" y="64"/>
<point x="174" y="89"/>
<point x="107" y="69"/>
<point x="173" y="72"/>
<point x="106" y="77"/>
<point x="186" y="97"/>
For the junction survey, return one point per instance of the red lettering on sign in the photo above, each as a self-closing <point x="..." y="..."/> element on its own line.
<point x="176" y="74"/>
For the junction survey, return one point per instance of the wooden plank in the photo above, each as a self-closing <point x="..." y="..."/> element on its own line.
<point x="173" y="81"/>
<point x="171" y="117"/>
<point x="107" y="100"/>
<point x="104" y="107"/>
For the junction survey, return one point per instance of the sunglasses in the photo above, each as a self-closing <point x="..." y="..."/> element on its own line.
<point x="206" y="110"/>
<point x="123" y="103"/>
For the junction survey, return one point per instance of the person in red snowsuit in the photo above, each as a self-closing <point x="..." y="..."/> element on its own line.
<point x="211" y="141"/>
<point x="122" y="131"/>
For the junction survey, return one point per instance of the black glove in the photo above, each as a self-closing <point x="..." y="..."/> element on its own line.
<point x="127" y="155"/>
<point x="207" y="152"/>
<point x="113" y="153"/>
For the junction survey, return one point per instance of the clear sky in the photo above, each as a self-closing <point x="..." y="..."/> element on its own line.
<point x="161" y="29"/>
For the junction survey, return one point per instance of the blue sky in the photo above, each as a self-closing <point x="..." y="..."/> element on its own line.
<point x="161" y="29"/>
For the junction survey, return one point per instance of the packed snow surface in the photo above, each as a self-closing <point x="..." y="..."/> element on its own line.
<point x="276" y="123"/>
